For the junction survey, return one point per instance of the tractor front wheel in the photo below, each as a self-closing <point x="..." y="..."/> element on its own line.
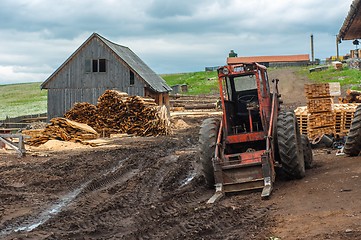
<point x="207" y="144"/>
<point x="290" y="146"/>
<point x="353" y="141"/>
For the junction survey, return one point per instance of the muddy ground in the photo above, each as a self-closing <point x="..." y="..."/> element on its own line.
<point x="147" y="188"/>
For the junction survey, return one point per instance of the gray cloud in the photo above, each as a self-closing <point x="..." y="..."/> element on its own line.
<point x="171" y="36"/>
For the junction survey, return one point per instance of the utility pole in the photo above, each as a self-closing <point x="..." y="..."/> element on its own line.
<point x="337" y="51"/>
<point x="312" y="50"/>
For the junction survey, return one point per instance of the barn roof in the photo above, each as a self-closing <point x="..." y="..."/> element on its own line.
<point x="129" y="58"/>
<point x="262" y="59"/>
<point x="351" y="27"/>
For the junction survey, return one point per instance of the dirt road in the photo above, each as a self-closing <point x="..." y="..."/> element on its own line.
<point x="147" y="188"/>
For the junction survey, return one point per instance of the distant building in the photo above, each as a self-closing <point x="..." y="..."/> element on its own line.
<point x="97" y="65"/>
<point x="273" y="61"/>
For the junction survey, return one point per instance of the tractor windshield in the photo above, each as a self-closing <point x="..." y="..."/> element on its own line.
<point x="246" y="82"/>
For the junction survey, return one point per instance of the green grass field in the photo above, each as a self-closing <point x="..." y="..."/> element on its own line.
<point x="24" y="99"/>
<point x="346" y="77"/>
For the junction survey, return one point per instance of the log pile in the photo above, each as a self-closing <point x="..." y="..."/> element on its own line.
<point x="116" y="112"/>
<point x="82" y="112"/>
<point x="352" y="96"/>
<point x="61" y="129"/>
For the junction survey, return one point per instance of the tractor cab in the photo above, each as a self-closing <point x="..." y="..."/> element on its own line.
<point x="246" y="98"/>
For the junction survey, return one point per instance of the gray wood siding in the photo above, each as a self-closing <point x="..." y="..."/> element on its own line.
<point x="72" y="84"/>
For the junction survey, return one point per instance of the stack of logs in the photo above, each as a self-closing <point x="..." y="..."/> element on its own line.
<point x="352" y="96"/>
<point x="319" y="104"/>
<point x="61" y="129"/>
<point x="115" y="112"/>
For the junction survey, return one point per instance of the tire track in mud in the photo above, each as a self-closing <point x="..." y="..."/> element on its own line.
<point x="108" y="186"/>
<point x="146" y="197"/>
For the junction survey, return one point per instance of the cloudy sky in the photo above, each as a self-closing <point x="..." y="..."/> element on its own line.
<point x="37" y="36"/>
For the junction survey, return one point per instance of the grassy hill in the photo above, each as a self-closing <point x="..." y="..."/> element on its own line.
<point x="27" y="98"/>
<point x="22" y="99"/>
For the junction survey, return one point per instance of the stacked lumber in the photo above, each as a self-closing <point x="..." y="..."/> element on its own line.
<point x="61" y="129"/>
<point x="320" y="106"/>
<point x="317" y="105"/>
<point x="321" y="119"/>
<point x="317" y="90"/>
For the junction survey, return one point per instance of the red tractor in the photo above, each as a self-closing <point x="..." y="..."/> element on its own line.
<point x="254" y="138"/>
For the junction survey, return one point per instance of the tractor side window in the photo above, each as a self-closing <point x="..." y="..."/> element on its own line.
<point x="228" y="89"/>
<point x="260" y="74"/>
<point x="243" y="83"/>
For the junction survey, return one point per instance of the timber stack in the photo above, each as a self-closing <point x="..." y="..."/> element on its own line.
<point x="83" y="112"/>
<point x="321" y="119"/>
<point x="116" y="112"/>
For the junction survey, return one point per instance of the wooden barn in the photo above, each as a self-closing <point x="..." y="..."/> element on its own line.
<point x="97" y="65"/>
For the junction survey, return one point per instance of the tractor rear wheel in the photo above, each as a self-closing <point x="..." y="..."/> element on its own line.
<point x="207" y="144"/>
<point x="353" y="141"/>
<point x="307" y="152"/>
<point x="290" y="146"/>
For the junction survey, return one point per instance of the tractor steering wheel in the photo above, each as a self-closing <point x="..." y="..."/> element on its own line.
<point x="246" y="98"/>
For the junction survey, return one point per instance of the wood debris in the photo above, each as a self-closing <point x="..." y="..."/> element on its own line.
<point x="61" y="129"/>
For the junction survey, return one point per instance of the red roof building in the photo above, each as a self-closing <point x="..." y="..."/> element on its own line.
<point x="301" y="58"/>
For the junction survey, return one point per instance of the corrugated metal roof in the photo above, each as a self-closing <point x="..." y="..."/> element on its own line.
<point x="351" y="27"/>
<point x="155" y="82"/>
<point x="263" y="59"/>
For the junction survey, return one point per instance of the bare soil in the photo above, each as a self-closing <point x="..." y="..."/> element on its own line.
<point x="148" y="188"/>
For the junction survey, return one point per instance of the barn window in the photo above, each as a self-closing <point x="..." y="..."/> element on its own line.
<point x="95" y="65"/>
<point x="102" y="65"/>
<point x="88" y="66"/>
<point x="131" y="74"/>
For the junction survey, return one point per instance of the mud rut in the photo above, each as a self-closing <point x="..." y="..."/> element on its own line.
<point x="144" y="188"/>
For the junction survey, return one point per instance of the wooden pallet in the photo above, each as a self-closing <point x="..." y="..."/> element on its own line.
<point x="343" y="116"/>
<point x="302" y="118"/>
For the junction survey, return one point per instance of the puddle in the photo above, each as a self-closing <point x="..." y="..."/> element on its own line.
<point x="29" y="225"/>
<point x="188" y="179"/>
